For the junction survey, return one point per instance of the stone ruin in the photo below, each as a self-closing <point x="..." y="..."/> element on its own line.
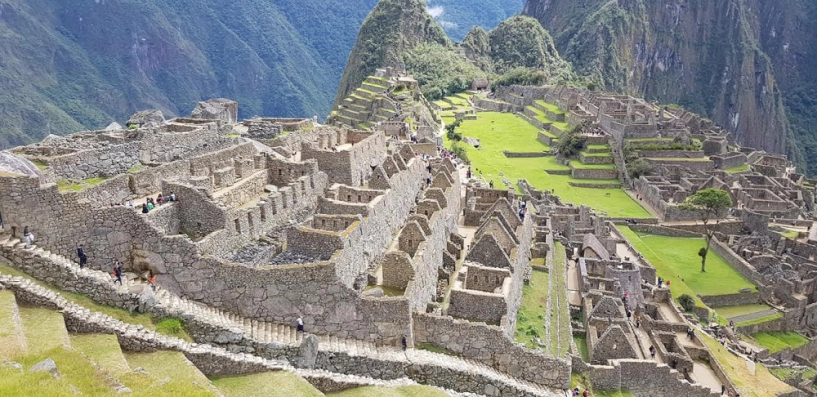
<point x="336" y="226"/>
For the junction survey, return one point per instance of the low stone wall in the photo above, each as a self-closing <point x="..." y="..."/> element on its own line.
<point x="663" y="231"/>
<point x="644" y="378"/>
<point x="595" y="185"/>
<point x="525" y="154"/>
<point x="492" y="106"/>
<point x="747" y="298"/>
<point x="671" y="153"/>
<point x="590" y="173"/>
<point x="488" y="345"/>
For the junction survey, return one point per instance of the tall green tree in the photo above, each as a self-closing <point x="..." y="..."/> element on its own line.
<point x="711" y="205"/>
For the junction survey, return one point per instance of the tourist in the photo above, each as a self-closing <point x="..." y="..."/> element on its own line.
<point x="667" y="284"/>
<point x="576" y="391"/>
<point x="428" y="181"/>
<point x="629" y="315"/>
<point x="491" y="184"/>
<point x="404" y="341"/>
<point x="117" y="272"/>
<point x="723" y="389"/>
<point x="160" y="199"/>
<point x="150" y="205"/>
<point x="130" y="203"/>
<point x="731" y="324"/>
<point x="145" y="208"/>
<point x="82" y="258"/>
<point x="652" y="352"/>
<point x="586" y="393"/>
<point x="468" y="173"/>
<point x="152" y="281"/>
<point x="300" y="322"/>
<point x="28" y="237"/>
<point x="172" y="196"/>
<point x="660" y="282"/>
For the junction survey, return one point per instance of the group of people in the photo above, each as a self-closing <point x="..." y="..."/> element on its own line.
<point x="576" y="392"/>
<point x="150" y="203"/>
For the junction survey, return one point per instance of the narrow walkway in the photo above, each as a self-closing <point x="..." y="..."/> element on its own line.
<point x="574" y="295"/>
<point x="705" y="376"/>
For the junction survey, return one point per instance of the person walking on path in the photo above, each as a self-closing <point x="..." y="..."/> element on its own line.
<point x="300" y="322"/>
<point x="652" y="352"/>
<point x="117" y="271"/>
<point x="28" y="238"/>
<point x="83" y="259"/>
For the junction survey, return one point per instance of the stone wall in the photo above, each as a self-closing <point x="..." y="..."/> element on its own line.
<point x="103" y="162"/>
<point x="729" y="160"/>
<point x="352" y="166"/>
<point x="590" y="173"/>
<point x="644" y="378"/>
<point x="477" y="306"/>
<point x="747" y="298"/>
<point x="489" y="345"/>
<point x="663" y="231"/>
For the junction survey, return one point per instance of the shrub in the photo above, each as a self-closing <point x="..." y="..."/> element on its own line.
<point x="460" y="151"/>
<point x="170" y="327"/>
<point x="570" y="144"/>
<point x="687" y="302"/>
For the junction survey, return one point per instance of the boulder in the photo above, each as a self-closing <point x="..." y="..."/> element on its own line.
<point x="146" y="119"/>
<point x="13" y="164"/>
<point x="217" y="109"/>
<point x="47" y="365"/>
<point x="308" y="352"/>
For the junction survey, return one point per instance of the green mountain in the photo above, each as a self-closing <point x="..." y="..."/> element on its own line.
<point x="458" y="17"/>
<point x="402" y="35"/>
<point x="742" y="63"/>
<point x="67" y="67"/>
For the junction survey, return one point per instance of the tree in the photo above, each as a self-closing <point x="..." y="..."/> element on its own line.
<point x="710" y="204"/>
<point x="571" y="142"/>
<point x="451" y="131"/>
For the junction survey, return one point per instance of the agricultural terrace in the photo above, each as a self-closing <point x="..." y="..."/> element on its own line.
<point x="500" y="132"/>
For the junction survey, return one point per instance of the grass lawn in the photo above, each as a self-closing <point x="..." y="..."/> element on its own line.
<point x="530" y="321"/>
<point x="677" y="261"/>
<point x="740" y="168"/>
<point x="760" y="384"/>
<point x="581" y="344"/>
<point x="549" y="106"/>
<point x="504" y="131"/>
<point x="790" y="234"/>
<point x="560" y="334"/>
<point x="403" y="391"/>
<point x="728" y="312"/>
<point x="777" y="341"/>
<point x="267" y="384"/>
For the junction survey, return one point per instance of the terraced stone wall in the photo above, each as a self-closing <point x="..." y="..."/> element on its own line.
<point x="489" y="345"/>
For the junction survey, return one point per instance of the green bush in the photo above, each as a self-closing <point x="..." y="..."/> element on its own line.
<point x="460" y="151"/>
<point x="638" y="167"/>
<point x="570" y="144"/>
<point x="171" y="327"/>
<point x="687" y="302"/>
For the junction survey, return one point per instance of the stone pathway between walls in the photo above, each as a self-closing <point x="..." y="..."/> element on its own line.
<point x="753" y="316"/>
<point x="284" y="336"/>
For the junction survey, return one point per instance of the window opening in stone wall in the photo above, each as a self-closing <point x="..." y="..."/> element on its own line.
<point x="263" y="214"/>
<point x="249" y="221"/>
<point x="349" y="197"/>
<point x="280" y="172"/>
<point x="358" y="198"/>
<point x="284" y="201"/>
<point x="237" y="226"/>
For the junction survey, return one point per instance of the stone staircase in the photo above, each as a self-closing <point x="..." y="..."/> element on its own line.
<point x="275" y="335"/>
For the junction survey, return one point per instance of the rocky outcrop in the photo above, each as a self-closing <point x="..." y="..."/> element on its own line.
<point x="217" y="109"/>
<point x="703" y="55"/>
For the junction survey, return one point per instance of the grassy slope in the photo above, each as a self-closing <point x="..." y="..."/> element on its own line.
<point x="268" y="384"/>
<point x="504" y="131"/>
<point x="777" y="341"/>
<point x="530" y="321"/>
<point x="760" y="384"/>
<point x="677" y="261"/>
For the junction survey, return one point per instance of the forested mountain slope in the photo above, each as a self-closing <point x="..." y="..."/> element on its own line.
<point x="750" y="65"/>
